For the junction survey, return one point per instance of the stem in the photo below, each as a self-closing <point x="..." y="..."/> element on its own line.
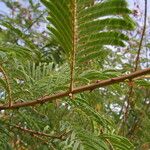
<point x="110" y="145"/>
<point x="41" y="139"/>
<point x="37" y="133"/>
<point x="80" y="89"/>
<point x="8" y="85"/>
<point x="130" y="93"/>
<point x="74" y="42"/>
<point x="142" y="37"/>
<point x="127" y="109"/>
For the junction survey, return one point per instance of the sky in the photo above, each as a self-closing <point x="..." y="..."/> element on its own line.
<point x="4" y="9"/>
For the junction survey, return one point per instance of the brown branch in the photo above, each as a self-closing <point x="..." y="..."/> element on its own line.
<point x="32" y="132"/>
<point x="8" y="85"/>
<point x="142" y="37"/>
<point x="130" y="93"/>
<point x="80" y="89"/>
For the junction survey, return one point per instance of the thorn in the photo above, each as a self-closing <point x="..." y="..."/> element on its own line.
<point x="71" y="95"/>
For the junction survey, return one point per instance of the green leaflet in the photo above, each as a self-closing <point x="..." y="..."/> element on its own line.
<point x="90" y="141"/>
<point x="60" y="23"/>
<point x="143" y="82"/>
<point x="17" y="51"/>
<point x="102" y="35"/>
<point x="4" y="137"/>
<point x="90" y="56"/>
<point x="118" y="142"/>
<point x="3" y="84"/>
<point x="22" y="36"/>
<point x="101" y="120"/>
<point x="84" y="24"/>
<point x="96" y="26"/>
<point x="99" y="75"/>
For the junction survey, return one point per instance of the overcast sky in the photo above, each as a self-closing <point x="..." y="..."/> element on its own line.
<point x="4" y="9"/>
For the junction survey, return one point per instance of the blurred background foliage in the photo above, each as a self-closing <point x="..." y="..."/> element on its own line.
<point x="34" y="65"/>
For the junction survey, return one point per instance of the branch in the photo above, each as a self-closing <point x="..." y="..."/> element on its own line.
<point x="32" y="132"/>
<point x="8" y="85"/>
<point x="130" y="93"/>
<point x="142" y="37"/>
<point x="80" y="89"/>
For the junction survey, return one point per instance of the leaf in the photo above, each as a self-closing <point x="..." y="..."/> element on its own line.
<point x="143" y="82"/>
<point x="90" y="141"/>
<point x="97" y="75"/>
<point x="3" y="83"/>
<point x="96" y="116"/>
<point x="83" y="25"/>
<point x="118" y="142"/>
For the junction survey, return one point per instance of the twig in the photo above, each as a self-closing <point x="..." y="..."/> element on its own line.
<point x="130" y="93"/>
<point x="127" y="108"/>
<point x="8" y="85"/>
<point x="110" y="145"/>
<point x="39" y="138"/>
<point x="35" y="20"/>
<point x="128" y="104"/>
<point x="32" y="132"/>
<point x="31" y="25"/>
<point x="80" y="89"/>
<point x="142" y="37"/>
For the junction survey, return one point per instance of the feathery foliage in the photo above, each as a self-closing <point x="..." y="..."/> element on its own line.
<point x="83" y="37"/>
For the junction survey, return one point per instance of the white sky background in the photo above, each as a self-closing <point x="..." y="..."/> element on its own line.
<point x="4" y="9"/>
